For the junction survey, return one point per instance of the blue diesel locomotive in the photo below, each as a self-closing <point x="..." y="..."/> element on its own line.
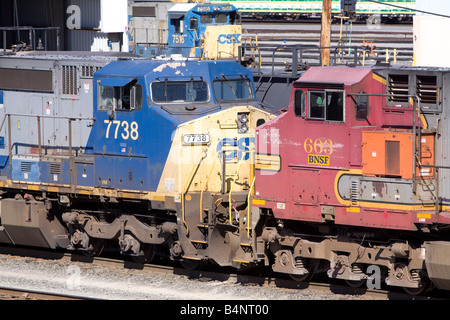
<point x="144" y="154"/>
<point x="195" y="30"/>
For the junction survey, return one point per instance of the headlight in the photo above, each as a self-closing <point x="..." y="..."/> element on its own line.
<point x="243" y="117"/>
<point x="243" y="128"/>
<point x="242" y="122"/>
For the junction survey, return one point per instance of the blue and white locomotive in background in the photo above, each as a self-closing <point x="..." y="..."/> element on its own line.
<point x="205" y="30"/>
<point x="146" y="155"/>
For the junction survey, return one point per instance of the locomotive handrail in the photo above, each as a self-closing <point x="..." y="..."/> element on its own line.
<point x="250" y="46"/>
<point x="416" y="127"/>
<point x="297" y="53"/>
<point x="296" y="49"/>
<point x="48" y="116"/>
<point x="38" y="118"/>
<point x="188" y="183"/>
<point x="249" y="206"/>
<point x="31" y="35"/>
<point x="205" y="185"/>
<point x="232" y="185"/>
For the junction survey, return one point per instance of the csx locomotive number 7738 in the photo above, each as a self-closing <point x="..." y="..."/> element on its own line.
<point x="149" y="155"/>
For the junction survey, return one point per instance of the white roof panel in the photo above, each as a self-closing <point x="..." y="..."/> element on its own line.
<point x="182" y="7"/>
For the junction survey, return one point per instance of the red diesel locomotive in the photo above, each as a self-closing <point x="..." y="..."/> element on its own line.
<point x="354" y="177"/>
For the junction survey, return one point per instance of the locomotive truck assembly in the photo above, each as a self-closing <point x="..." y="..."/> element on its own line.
<point x="176" y="157"/>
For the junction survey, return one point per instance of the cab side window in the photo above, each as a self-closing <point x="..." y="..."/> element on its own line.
<point x="361" y="106"/>
<point x="326" y="105"/>
<point x="300" y="103"/>
<point x="128" y="97"/>
<point x="316" y="105"/>
<point x="335" y="106"/>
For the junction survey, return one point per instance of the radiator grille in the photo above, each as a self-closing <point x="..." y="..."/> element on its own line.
<point x="426" y="88"/>
<point x="398" y="85"/>
<point x="55" y="168"/>
<point x="88" y="71"/>
<point x="25" y="166"/>
<point x="69" y="80"/>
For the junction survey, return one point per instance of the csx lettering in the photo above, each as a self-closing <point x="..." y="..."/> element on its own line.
<point x="234" y="148"/>
<point x="229" y="38"/>
<point x="318" y="159"/>
<point x="125" y="129"/>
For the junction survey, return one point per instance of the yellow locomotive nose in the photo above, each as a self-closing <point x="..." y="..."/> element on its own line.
<point x="210" y="175"/>
<point x="208" y="152"/>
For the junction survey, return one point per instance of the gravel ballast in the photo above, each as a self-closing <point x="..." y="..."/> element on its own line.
<point x="118" y="283"/>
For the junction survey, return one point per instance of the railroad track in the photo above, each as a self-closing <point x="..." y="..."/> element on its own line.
<point x="376" y="43"/>
<point x="314" y="35"/>
<point x="264" y="279"/>
<point x="9" y="293"/>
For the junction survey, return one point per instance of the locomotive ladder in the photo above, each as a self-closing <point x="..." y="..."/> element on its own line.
<point x="417" y="133"/>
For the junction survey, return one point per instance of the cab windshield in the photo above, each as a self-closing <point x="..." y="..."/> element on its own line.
<point x="226" y="89"/>
<point x="179" y="91"/>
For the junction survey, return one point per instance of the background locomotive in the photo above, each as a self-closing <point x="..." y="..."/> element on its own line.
<point x="207" y="31"/>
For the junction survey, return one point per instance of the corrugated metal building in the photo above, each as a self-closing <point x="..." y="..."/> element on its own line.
<point x="103" y="25"/>
<point x="84" y="25"/>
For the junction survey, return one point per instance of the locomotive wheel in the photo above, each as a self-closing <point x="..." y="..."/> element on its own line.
<point x="308" y="265"/>
<point x="190" y="264"/>
<point x="301" y="278"/>
<point x="417" y="291"/>
<point x="149" y="253"/>
<point x="97" y="248"/>
<point x="355" y="283"/>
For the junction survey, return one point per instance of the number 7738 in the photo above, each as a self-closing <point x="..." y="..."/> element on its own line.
<point x="124" y="128"/>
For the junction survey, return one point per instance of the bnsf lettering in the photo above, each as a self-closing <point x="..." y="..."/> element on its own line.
<point x="318" y="159"/>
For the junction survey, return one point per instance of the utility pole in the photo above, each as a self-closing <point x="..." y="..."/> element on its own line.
<point x="325" y="33"/>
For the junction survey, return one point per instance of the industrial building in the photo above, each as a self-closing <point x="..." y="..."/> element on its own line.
<point x="75" y="25"/>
